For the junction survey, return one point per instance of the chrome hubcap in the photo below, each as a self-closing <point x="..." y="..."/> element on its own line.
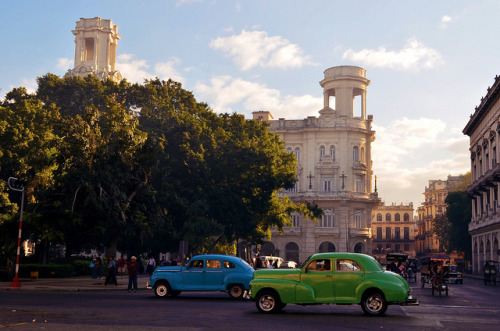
<point x="267" y="302"/>
<point x="374" y="303"/>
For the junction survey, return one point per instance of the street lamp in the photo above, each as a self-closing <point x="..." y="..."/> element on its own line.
<point x="16" y="185"/>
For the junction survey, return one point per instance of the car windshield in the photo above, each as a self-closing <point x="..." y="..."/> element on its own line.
<point x="245" y="263"/>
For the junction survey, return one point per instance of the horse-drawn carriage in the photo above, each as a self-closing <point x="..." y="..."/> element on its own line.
<point x="490" y="272"/>
<point x="434" y="272"/>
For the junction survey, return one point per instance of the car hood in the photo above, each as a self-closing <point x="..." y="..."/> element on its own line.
<point x="288" y="274"/>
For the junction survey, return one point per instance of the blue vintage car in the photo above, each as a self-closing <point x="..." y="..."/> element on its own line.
<point x="203" y="273"/>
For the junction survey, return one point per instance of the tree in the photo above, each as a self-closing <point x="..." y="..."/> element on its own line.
<point x="459" y="213"/>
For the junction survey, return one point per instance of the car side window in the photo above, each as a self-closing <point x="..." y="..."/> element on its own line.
<point x="345" y="265"/>
<point x="213" y="264"/>
<point x="228" y="265"/>
<point x="319" y="265"/>
<point x="197" y="264"/>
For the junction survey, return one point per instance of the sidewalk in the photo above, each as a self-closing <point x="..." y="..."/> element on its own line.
<point x="74" y="284"/>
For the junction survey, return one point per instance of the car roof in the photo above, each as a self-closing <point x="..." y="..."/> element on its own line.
<point x="216" y="256"/>
<point x="368" y="262"/>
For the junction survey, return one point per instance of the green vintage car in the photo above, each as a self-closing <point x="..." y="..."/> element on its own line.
<point x="337" y="278"/>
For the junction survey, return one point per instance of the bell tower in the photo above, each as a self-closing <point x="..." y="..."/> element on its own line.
<point x="96" y="40"/>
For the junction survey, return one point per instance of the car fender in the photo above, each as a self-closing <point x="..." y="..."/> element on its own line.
<point x="287" y="290"/>
<point x="173" y="277"/>
<point x="237" y="278"/>
<point x="393" y="291"/>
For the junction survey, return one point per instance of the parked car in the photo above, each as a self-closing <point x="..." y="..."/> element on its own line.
<point x="289" y="264"/>
<point x="337" y="278"/>
<point x="454" y="276"/>
<point x="203" y="273"/>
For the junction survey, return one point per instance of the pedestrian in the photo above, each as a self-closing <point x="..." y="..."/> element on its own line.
<point x="122" y="266"/>
<point x="111" y="272"/>
<point x="133" y="270"/>
<point x="150" y="267"/>
<point x="92" y="268"/>
<point x="97" y="267"/>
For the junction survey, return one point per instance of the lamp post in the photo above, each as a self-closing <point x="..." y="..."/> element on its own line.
<point x="20" y="188"/>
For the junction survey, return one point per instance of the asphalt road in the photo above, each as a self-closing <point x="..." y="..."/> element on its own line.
<point x="471" y="306"/>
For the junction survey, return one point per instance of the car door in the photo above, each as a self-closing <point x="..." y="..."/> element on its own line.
<point x="318" y="275"/>
<point x="193" y="276"/>
<point x="348" y="275"/>
<point x="213" y="275"/>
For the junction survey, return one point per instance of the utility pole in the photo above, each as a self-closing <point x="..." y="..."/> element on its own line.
<point x="16" y="185"/>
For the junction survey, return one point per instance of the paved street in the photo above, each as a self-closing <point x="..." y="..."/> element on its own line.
<point x="471" y="306"/>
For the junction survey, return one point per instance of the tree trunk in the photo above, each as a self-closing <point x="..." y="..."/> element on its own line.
<point x="111" y="249"/>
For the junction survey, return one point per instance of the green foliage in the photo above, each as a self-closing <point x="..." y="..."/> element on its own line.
<point x="140" y="167"/>
<point x="459" y="213"/>
<point x="47" y="270"/>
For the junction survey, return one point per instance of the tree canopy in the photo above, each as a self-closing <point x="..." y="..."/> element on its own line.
<point x="139" y="167"/>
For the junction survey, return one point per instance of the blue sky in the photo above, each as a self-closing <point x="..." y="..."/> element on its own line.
<point x="429" y="63"/>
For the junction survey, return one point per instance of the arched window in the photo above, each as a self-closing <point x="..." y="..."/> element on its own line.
<point x="292" y="252"/>
<point x="332" y="152"/>
<point x="355" y="154"/>
<point x="362" y="154"/>
<point x="387" y="217"/>
<point x="379" y="217"/>
<point x="321" y="152"/>
<point x="406" y="217"/>
<point x="325" y="247"/>
<point x="288" y="149"/>
<point x="397" y="217"/>
<point x="297" y="154"/>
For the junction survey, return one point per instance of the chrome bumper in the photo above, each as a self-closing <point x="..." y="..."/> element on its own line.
<point x="411" y="301"/>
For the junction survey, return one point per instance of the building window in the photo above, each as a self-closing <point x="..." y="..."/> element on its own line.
<point x="387" y="247"/>
<point x="355" y="154"/>
<point x="397" y="233"/>
<point x="327" y="220"/>
<point x="387" y="233"/>
<point x="407" y="247"/>
<point x="379" y="217"/>
<point x="359" y="184"/>
<point x="397" y="217"/>
<point x="406" y="233"/>
<point x="295" y="220"/>
<point x="387" y="217"/>
<point x="321" y="152"/>
<point x="406" y="217"/>
<point x="397" y="247"/>
<point x="297" y="154"/>
<point x="89" y="49"/>
<point x="327" y="183"/>
<point x="332" y="152"/>
<point x="289" y="150"/>
<point x="362" y="154"/>
<point x="379" y="232"/>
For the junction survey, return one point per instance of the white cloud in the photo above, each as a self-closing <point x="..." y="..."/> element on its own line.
<point x="256" y="48"/>
<point x="444" y="21"/>
<point x="409" y="152"/>
<point x="135" y="70"/>
<point x="413" y="56"/>
<point x="64" y="64"/>
<point x="225" y="94"/>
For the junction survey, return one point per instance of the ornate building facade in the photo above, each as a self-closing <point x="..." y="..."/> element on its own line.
<point x="483" y="129"/>
<point x="96" y="40"/>
<point x="393" y="229"/>
<point x="334" y="170"/>
<point x="433" y="205"/>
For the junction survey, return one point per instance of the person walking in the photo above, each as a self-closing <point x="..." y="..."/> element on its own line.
<point x="151" y="265"/>
<point x="133" y="270"/>
<point x="111" y="274"/>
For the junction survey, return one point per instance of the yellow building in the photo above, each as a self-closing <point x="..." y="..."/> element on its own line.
<point x="393" y="229"/>
<point x="434" y="205"/>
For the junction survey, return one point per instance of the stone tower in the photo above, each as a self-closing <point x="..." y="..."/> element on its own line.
<point x="334" y="170"/>
<point x="96" y="40"/>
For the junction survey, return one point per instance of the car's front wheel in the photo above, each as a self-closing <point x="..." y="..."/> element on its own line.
<point x="162" y="290"/>
<point x="374" y="304"/>
<point x="269" y="302"/>
<point x="236" y="291"/>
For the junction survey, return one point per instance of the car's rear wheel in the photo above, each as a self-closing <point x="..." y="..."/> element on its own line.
<point x="236" y="291"/>
<point x="269" y="302"/>
<point x="374" y="304"/>
<point x="162" y="290"/>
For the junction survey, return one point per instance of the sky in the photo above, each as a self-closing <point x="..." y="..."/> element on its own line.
<point x="429" y="62"/>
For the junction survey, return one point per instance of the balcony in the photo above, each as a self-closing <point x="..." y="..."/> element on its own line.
<point x="489" y="179"/>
